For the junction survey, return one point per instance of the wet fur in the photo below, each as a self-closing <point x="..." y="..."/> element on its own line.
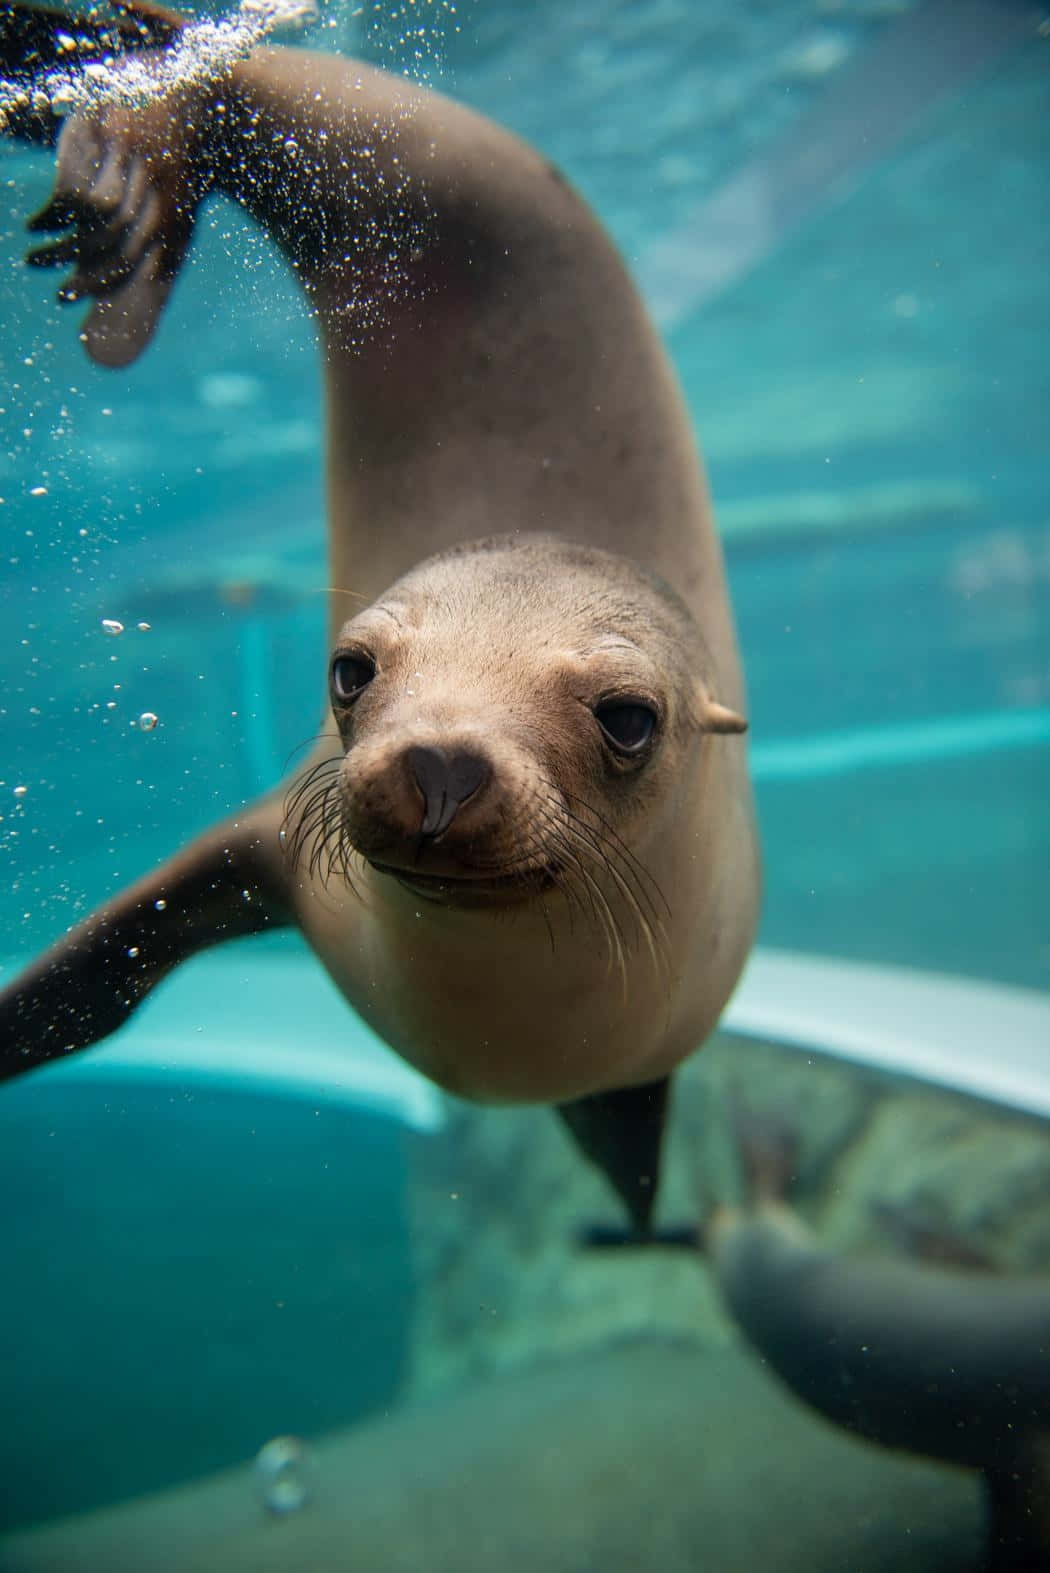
<point x="488" y="367"/>
<point x="951" y="1362"/>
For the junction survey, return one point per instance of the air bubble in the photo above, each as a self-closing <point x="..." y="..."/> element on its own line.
<point x="111" y="627"/>
<point x="205" y="50"/>
<point x="279" y="1469"/>
<point x="160" y="904"/>
<point x="147" y="721"/>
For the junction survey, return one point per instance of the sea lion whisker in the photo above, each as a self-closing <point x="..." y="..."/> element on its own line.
<point x="310" y="793"/>
<point x="548" y="925"/>
<point x="305" y="783"/>
<point x="600" y="905"/>
<point x="650" y="924"/>
<point x="644" y="925"/>
<point x="527" y="862"/>
<point x="605" y="852"/>
<point x="335" y="589"/>
<point x="305" y="813"/>
<point x="341" y="850"/>
<point x="649" y="885"/>
<point x="651" y="928"/>
<point x="314" y="804"/>
<point x="309" y="742"/>
<point x="613" y="928"/>
<point x="575" y="851"/>
<point x="569" y="864"/>
<point x="610" y="848"/>
<point x="324" y="827"/>
<point x="609" y="831"/>
<point x="559" y="840"/>
<point x="309" y="776"/>
<point x="317" y="830"/>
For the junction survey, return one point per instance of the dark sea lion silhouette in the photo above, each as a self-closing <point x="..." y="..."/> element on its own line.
<point x="939" y="1356"/>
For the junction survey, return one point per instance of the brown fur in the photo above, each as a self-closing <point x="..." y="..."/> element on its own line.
<point x="489" y="367"/>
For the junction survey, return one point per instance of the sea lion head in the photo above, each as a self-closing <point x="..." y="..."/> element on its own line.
<point x="515" y="715"/>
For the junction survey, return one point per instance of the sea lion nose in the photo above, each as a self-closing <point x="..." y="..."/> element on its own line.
<point x="446" y="778"/>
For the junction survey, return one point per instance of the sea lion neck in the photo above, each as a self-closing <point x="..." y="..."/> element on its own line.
<point x="531" y="1010"/>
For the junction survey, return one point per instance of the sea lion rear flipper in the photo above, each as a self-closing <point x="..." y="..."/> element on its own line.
<point x="226" y="884"/>
<point x="622" y="1132"/>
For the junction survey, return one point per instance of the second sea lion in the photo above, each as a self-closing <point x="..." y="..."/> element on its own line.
<point x="525" y="847"/>
<point x="939" y="1356"/>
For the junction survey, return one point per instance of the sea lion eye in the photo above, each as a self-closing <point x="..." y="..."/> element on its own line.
<point x="629" y="726"/>
<point x="350" y="674"/>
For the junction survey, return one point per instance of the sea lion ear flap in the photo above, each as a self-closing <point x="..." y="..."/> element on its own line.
<point x="719" y="718"/>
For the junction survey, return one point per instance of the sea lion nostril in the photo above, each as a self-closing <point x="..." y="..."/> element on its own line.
<point x="466" y="774"/>
<point x="446" y="778"/>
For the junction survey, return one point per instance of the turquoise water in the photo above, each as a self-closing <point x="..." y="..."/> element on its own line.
<point x="869" y="394"/>
<point x="198" y="1260"/>
<point x="870" y="389"/>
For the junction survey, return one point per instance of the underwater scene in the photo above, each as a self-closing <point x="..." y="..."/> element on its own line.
<point x="367" y="1204"/>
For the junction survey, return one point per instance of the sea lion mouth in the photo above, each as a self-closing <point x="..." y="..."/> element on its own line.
<point x="470" y="890"/>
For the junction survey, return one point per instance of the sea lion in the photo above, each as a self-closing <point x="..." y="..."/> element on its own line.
<point x="524" y="847"/>
<point x="942" y="1356"/>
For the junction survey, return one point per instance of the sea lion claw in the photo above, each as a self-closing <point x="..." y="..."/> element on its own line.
<point x="60" y="212"/>
<point x="55" y="255"/>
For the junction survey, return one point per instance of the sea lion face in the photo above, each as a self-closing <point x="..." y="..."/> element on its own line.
<point x="515" y="716"/>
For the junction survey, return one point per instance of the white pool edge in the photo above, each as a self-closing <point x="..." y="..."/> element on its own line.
<point x="983" y="1039"/>
<point x="278" y="1025"/>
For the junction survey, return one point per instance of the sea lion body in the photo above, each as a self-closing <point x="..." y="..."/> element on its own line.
<point x="937" y="1360"/>
<point x="530" y="997"/>
<point x="950" y="1361"/>
<point x="509" y="384"/>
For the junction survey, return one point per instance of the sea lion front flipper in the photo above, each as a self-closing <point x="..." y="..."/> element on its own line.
<point x="226" y="884"/>
<point x="128" y="184"/>
<point x="622" y="1132"/>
